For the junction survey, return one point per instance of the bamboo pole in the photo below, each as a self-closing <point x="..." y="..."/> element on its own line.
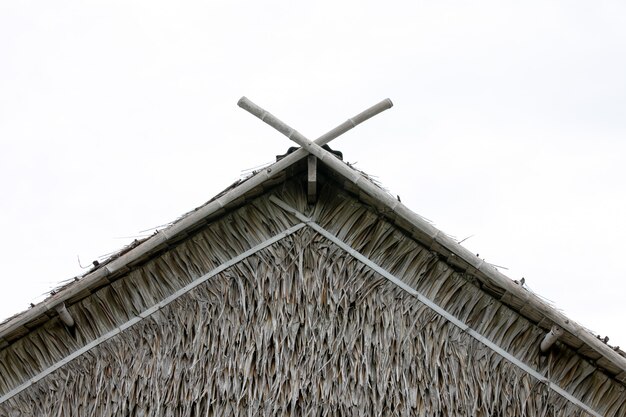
<point x="162" y="237"/>
<point x="486" y="271"/>
<point x="304" y="270"/>
<point x="149" y="311"/>
<point x="65" y="316"/>
<point x="547" y="342"/>
<point x="550" y="338"/>
<point x="476" y="265"/>
<point x="377" y="108"/>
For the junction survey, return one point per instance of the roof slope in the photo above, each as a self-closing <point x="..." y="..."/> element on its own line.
<point x="384" y="260"/>
<point x="488" y="278"/>
<point x="527" y="303"/>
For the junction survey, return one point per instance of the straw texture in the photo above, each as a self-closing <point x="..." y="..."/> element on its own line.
<point x="300" y="328"/>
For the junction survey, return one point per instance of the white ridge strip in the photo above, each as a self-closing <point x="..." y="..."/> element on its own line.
<point x="148" y="312"/>
<point x="433" y="306"/>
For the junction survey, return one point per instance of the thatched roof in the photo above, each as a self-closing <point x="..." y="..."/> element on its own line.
<point x="461" y="275"/>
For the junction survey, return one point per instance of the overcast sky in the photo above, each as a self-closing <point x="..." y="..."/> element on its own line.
<point x="509" y="126"/>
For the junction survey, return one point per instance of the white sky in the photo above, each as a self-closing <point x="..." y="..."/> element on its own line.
<point x="509" y="125"/>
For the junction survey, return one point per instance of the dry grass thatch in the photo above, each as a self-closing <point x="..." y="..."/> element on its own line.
<point x="300" y="328"/>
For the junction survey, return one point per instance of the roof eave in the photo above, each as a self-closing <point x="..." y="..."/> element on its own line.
<point x="437" y="239"/>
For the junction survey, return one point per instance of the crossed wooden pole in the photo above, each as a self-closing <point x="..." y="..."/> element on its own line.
<point x="314" y="149"/>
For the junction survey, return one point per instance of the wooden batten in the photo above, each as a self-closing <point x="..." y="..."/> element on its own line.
<point x="529" y="312"/>
<point x="38" y="321"/>
<point x="305" y="288"/>
<point x="571" y="340"/>
<point x="589" y="352"/>
<point x="487" y="272"/>
<point x="513" y="301"/>
<point x="311" y="179"/>
<point x="608" y="366"/>
<point x="278" y="300"/>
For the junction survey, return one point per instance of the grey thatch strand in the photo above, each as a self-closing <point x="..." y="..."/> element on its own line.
<point x="467" y="302"/>
<point x="163" y="236"/>
<point x="433" y="306"/>
<point x="514" y="296"/>
<point x="487" y="271"/>
<point x="299" y="328"/>
<point x="149" y="312"/>
<point x="360" y="352"/>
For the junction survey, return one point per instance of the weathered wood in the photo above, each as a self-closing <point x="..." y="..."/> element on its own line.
<point x="551" y="337"/>
<point x="65" y="315"/>
<point x="311" y="179"/>
<point x="297" y="319"/>
<point x="487" y="272"/>
<point x="152" y="244"/>
<point x="301" y="327"/>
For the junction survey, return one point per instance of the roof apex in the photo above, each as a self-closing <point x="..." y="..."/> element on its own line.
<point x="434" y="238"/>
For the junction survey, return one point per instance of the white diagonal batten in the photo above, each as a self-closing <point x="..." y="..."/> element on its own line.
<point x="149" y="311"/>
<point x="95" y="278"/>
<point x="473" y="264"/>
<point x="434" y="306"/>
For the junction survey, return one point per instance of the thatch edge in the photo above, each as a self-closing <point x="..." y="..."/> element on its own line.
<point x="474" y="265"/>
<point x="436" y="307"/>
<point x="477" y="266"/>
<point x="486" y="271"/>
<point x="421" y="352"/>
<point x="397" y="281"/>
<point x="150" y="245"/>
<point x="151" y="310"/>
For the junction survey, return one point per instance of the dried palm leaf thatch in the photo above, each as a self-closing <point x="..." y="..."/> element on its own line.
<point x="299" y="328"/>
